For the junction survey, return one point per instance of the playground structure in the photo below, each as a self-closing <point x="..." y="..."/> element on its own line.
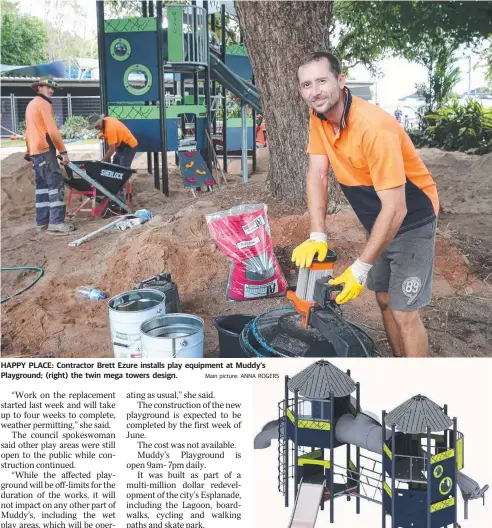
<point x="139" y="54"/>
<point x="413" y="464"/>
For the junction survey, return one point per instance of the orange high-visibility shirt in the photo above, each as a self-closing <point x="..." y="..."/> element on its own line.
<point x="42" y="133"/>
<point x="115" y="133"/>
<point x="372" y="152"/>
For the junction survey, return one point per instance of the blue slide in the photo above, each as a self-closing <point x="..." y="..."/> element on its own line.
<point x="235" y="84"/>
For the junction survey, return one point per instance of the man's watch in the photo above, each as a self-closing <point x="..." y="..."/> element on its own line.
<point x="27" y="157"/>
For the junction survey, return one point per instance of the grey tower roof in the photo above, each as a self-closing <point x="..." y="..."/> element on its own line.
<point x="416" y="414"/>
<point x="321" y="378"/>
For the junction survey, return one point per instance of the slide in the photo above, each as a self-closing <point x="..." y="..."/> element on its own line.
<point x="232" y="82"/>
<point x="268" y="433"/>
<point x="307" y="505"/>
<point x="362" y="431"/>
<point x="470" y="488"/>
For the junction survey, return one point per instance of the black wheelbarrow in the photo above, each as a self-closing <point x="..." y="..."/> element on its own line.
<point x="103" y="184"/>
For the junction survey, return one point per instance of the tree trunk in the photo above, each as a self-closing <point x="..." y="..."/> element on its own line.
<point x="278" y="35"/>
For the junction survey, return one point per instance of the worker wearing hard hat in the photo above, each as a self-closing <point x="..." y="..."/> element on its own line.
<point x="43" y="139"/>
<point x="122" y="143"/>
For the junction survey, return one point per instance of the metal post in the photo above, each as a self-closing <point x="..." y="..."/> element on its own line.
<point x="253" y="115"/>
<point x="357" y="452"/>
<point x="332" y="457"/>
<point x="429" y="478"/>
<point x="69" y="105"/>
<point x="393" y="475"/>
<point x="103" y="82"/>
<point x="224" y="91"/>
<point x="13" y="113"/>
<point x="149" y="154"/>
<point x="446" y="432"/>
<point x="102" y="57"/>
<point x="286" y="444"/>
<point x="348" y="453"/>
<point x="383" y="474"/>
<point x="214" y="84"/>
<point x="455" y="476"/>
<point x="150" y="4"/>
<point x="296" y="445"/>
<point x="194" y="41"/>
<point x="162" y="99"/>
<point x="157" y="183"/>
<point x="244" y="150"/>
<point x="469" y="75"/>
<point x="206" y="90"/>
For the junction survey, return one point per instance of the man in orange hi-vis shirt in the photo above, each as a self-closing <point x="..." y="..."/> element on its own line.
<point x="43" y="139"/>
<point x="389" y="188"/>
<point x="122" y="143"/>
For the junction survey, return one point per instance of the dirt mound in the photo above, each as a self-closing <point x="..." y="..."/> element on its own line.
<point x="464" y="182"/>
<point x="182" y="247"/>
<point x="84" y="155"/>
<point x="49" y="320"/>
<point x="18" y="196"/>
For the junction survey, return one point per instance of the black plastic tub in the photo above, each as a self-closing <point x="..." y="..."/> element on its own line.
<point x="229" y="328"/>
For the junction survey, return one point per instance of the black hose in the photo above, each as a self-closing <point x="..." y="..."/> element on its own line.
<point x="17" y="268"/>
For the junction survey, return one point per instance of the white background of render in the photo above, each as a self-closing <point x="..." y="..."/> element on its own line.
<point x="463" y="384"/>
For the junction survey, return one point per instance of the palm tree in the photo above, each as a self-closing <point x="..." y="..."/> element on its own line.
<point x="445" y="77"/>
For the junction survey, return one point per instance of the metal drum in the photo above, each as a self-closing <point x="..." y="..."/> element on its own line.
<point x="172" y="336"/>
<point x="127" y="311"/>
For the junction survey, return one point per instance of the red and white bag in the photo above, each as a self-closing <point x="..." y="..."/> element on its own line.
<point x="243" y="235"/>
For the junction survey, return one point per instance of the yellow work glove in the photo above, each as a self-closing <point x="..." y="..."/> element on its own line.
<point x="354" y="279"/>
<point x="304" y="254"/>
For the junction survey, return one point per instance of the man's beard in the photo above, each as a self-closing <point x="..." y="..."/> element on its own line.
<point x="328" y="104"/>
<point x="326" y="108"/>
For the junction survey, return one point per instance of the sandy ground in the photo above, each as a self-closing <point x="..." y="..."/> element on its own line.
<point x="50" y="321"/>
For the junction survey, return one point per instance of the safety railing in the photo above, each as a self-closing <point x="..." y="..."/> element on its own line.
<point x="187" y="36"/>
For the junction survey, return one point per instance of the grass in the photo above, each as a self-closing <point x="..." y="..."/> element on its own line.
<point x="12" y="143"/>
<point x="22" y="143"/>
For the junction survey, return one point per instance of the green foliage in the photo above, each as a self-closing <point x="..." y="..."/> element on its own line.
<point x="24" y="38"/>
<point x="443" y="77"/>
<point x="123" y="8"/>
<point x="424" y="32"/>
<point x="465" y="127"/>
<point x="413" y="30"/>
<point x="64" y="44"/>
<point x="75" y="127"/>
<point x="486" y="60"/>
<point x="21" y="128"/>
<point x="232" y="30"/>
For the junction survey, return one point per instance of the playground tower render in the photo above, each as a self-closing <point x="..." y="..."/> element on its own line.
<point x="413" y="470"/>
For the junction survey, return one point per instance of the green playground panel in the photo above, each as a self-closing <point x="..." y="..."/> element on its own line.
<point x="175" y="34"/>
<point x="237" y="49"/>
<point x="190" y="99"/>
<point x="172" y="112"/>
<point x="152" y="112"/>
<point x="237" y="122"/>
<point x="134" y="112"/>
<point x="130" y="25"/>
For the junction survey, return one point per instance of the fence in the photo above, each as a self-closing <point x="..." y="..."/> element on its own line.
<point x="13" y="110"/>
